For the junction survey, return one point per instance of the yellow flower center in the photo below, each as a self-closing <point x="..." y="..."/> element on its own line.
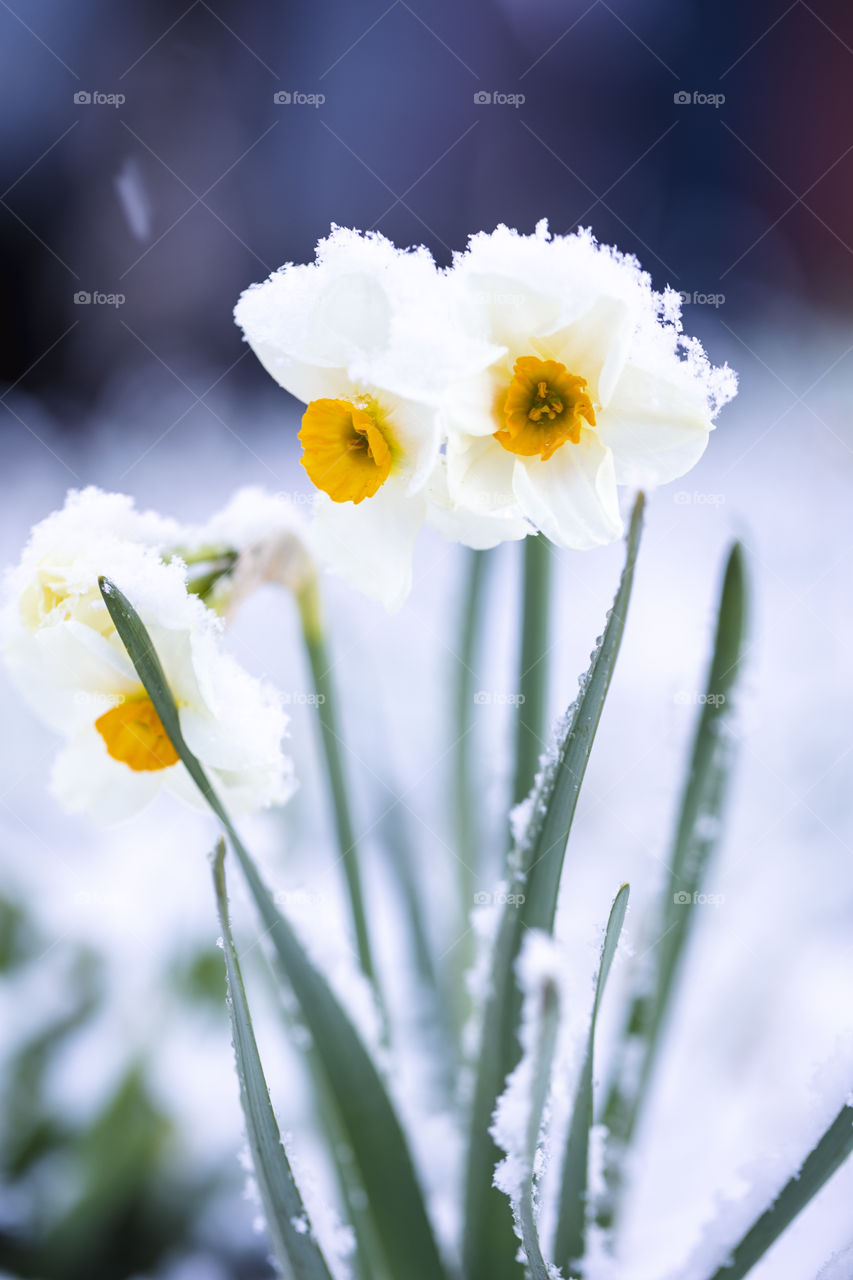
<point x="134" y="734"/>
<point x="544" y="406"/>
<point x="348" y="448"/>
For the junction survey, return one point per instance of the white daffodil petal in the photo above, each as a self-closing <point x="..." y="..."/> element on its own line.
<point x="65" y="710"/>
<point x="572" y="497"/>
<point x="508" y="308"/>
<point x="595" y="346"/>
<point x="480" y="476"/>
<point x="74" y="656"/>
<point x="655" y="429"/>
<point x="86" y="780"/>
<point x="313" y="315"/>
<point x="470" y="405"/>
<point x="307" y="381"/>
<point x="461" y="523"/>
<point x="371" y="543"/>
<point x="416" y="436"/>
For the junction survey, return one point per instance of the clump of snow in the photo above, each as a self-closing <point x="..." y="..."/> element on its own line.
<point x="540" y="965"/>
<point x="335" y="1238"/>
<point x="839" y="1266"/>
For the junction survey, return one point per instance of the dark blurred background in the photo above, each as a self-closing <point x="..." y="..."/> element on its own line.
<point x="199" y="182"/>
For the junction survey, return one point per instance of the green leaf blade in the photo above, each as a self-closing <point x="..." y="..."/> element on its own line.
<point x="536" y="879"/>
<point x="542" y="864"/>
<point x="570" y="1240"/>
<point x="697" y="834"/>
<point x="296" y="1250"/>
<point x="834" y="1147"/>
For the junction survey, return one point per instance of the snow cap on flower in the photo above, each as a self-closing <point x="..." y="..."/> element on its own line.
<point x="364" y="311"/>
<point x="56" y="579"/>
<point x="591" y="384"/>
<point x="67" y="659"/>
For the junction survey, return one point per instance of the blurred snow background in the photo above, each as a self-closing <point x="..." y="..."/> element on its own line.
<point x="764" y="1011"/>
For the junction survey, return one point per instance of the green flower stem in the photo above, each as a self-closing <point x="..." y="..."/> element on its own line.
<point x="697" y="835"/>
<point x="310" y="613"/>
<point x="466" y="681"/>
<point x="466" y="807"/>
<point x="532" y="688"/>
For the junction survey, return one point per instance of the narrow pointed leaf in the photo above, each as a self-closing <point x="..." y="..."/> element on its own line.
<point x="832" y="1150"/>
<point x="538" y="865"/>
<point x="696" y="838"/>
<point x="571" y="1224"/>
<point x="365" y="1111"/>
<point x="294" y="1245"/>
<point x="550" y="1021"/>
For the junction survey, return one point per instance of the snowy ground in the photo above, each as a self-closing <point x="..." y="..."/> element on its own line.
<point x="766" y="1001"/>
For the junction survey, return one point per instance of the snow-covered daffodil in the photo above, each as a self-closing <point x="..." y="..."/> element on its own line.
<point x="67" y="659"/>
<point x="590" y="384"/>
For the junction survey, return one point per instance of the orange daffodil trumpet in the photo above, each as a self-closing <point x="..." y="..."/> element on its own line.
<point x="67" y="659"/>
<point x="362" y="337"/>
<point x="512" y="393"/>
<point x="591" y="385"/>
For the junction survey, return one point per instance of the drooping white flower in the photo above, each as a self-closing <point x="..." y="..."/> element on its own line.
<point x="257" y="538"/>
<point x="589" y="385"/>
<point x="362" y="337"/>
<point x="67" y="659"/>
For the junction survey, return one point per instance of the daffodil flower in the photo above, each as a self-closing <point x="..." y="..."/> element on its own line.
<point x="68" y="661"/>
<point x="362" y="337"/>
<point x="257" y="538"/>
<point x="590" y="384"/>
